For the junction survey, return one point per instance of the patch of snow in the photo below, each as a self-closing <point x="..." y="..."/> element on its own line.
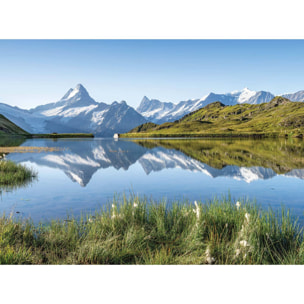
<point x="235" y="92"/>
<point x="248" y="175"/>
<point x="180" y="110"/>
<point x="73" y="112"/>
<point x="63" y="160"/>
<point x="100" y="154"/>
<point x="203" y="98"/>
<point x="76" y="159"/>
<point x="245" y="95"/>
<point x="52" y="112"/>
<point x="97" y="117"/>
<point x="73" y="93"/>
<point x="76" y="178"/>
<point x="152" y="158"/>
<point x="151" y="113"/>
<point x="55" y="159"/>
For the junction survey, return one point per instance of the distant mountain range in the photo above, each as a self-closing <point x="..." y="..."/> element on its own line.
<point x="159" y="112"/>
<point x="78" y="112"/>
<point x="278" y="118"/>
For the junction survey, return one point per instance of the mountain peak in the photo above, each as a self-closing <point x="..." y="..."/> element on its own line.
<point x="78" y="90"/>
<point x="144" y="104"/>
<point x="80" y="87"/>
<point x="145" y="99"/>
<point x="67" y="94"/>
<point x="245" y="95"/>
<point x="77" y="97"/>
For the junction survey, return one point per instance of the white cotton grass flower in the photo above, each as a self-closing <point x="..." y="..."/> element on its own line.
<point x="244" y="243"/>
<point x="135" y="204"/>
<point x="237" y="252"/>
<point x="209" y="258"/>
<point x="247" y="217"/>
<point x="196" y="210"/>
<point x="113" y="212"/>
<point x="238" y="205"/>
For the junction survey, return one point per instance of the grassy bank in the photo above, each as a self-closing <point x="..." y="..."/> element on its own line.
<point x="14" y="175"/>
<point x="134" y="231"/>
<point x="202" y="135"/>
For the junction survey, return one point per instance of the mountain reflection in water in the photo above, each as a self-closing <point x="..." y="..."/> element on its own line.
<point x="246" y="160"/>
<point x="85" y="174"/>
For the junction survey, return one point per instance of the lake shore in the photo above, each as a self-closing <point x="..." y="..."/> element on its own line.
<point x="136" y="231"/>
<point x="13" y="175"/>
<point x="63" y="135"/>
<point x="203" y="135"/>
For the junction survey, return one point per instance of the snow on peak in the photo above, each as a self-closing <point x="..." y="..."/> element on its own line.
<point x="145" y="99"/>
<point x="67" y="94"/>
<point x="73" y="92"/>
<point x="245" y="95"/>
<point x="80" y="87"/>
<point x="203" y="98"/>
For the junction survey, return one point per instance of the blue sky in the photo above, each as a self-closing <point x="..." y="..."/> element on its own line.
<point x="34" y="72"/>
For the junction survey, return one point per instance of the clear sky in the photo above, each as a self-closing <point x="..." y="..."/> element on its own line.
<point x="34" y="72"/>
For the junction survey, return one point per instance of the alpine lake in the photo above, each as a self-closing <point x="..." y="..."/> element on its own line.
<point x="76" y="176"/>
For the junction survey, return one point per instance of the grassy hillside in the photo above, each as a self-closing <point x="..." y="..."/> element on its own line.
<point x="280" y="117"/>
<point x="9" y="128"/>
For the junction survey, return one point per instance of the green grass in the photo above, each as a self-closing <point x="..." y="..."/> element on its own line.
<point x="278" y="118"/>
<point x="135" y="231"/>
<point x="14" y="175"/>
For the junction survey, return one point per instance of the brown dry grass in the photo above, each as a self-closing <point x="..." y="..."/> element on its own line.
<point x="28" y="149"/>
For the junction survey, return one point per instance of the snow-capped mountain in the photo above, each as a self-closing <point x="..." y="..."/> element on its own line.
<point x="159" y="112"/>
<point x="298" y="96"/>
<point x="24" y="119"/>
<point x="77" y="111"/>
<point x="77" y="98"/>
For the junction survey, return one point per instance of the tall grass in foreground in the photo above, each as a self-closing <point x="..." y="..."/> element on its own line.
<point x="135" y="231"/>
<point x="13" y="175"/>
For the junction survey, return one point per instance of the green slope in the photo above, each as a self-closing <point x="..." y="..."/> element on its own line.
<point x="279" y="117"/>
<point x="9" y="128"/>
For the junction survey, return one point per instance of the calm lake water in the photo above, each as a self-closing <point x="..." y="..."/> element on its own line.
<point x="86" y="173"/>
